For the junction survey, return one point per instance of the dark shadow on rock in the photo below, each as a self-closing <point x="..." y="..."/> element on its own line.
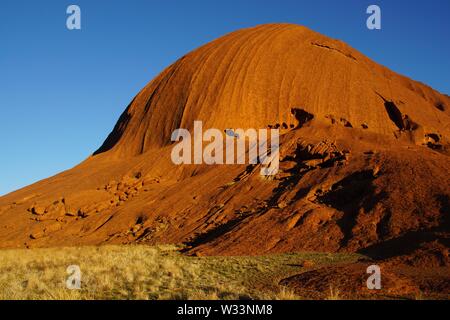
<point x="301" y="116"/>
<point x="403" y="245"/>
<point x="349" y="195"/>
<point x="117" y="132"/>
<point x="413" y="240"/>
<point x="403" y="122"/>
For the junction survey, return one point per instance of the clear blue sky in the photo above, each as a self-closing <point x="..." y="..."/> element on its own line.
<point x="62" y="91"/>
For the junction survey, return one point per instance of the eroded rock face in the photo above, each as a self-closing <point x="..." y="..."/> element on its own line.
<point x="280" y="76"/>
<point x="364" y="160"/>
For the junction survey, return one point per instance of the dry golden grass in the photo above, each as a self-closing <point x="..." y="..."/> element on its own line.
<point x="334" y="294"/>
<point x="143" y="272"/>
